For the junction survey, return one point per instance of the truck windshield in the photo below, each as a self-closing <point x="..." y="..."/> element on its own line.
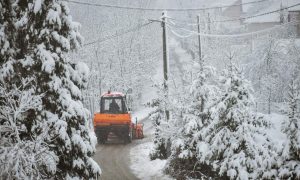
<point x="113" y="105"/>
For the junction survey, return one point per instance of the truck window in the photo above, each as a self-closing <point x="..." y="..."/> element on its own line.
<point x="113" y="105"/>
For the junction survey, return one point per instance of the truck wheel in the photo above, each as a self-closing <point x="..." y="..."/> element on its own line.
<point x="130" y="136"/>
<point x="134" y="134"/>
<point x="106" y="137"/>
<point x="101" y="138"/>
<point x="98" y="138"/>
<point x="127" y="138"/>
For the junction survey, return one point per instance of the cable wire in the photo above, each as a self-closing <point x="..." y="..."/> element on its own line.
<point x="160" y="9"/>
<point x="181" y="36"/>
<point x="236" y="19"/>
<point x="262" y="14"/>
<point x="170" y="26"/>
<point x="118" y="34"/>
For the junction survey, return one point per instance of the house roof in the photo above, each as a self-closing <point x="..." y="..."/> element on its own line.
<point x="271" y="5"/>
<point x="223" y="2"/>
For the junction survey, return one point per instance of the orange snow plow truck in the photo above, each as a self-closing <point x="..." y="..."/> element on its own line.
<point x="115" y="118"/>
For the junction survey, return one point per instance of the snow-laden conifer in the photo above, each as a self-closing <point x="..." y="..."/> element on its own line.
<point x="158" y="118"/>
<point x="290" y="155"/>
<point x="159" y="150"/>
<point x="24" y="154"/>
<point x="234" y="142"/>
<point x="194" y="116"/>
<point x="35" y="38"/>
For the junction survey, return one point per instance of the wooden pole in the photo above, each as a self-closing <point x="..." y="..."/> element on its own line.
<point x="199" y="41"/>
<point x="208" y="22"/>
<point x="165" y="60"/>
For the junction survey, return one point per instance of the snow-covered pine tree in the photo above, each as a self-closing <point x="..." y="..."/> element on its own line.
<point x="195" y="115"/>
<point x="35" y="38"/>
<point x="233" y="143"/>
<point x="22" y="156"/>
<point x="159" y="151"/>
<point x="23" y="153"/>
<point x="290" y="168"/>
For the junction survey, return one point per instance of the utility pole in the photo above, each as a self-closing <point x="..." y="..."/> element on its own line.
<point x="281" y="15"/>
<point x="208" y="22"/>
<point x="165" y="61"/>
<point x="99" y="70"/>
<point x="199" y="41"/>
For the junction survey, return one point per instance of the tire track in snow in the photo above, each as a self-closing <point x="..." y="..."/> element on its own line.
<point x="114" y="157"/>
<point x="114" y="160"/>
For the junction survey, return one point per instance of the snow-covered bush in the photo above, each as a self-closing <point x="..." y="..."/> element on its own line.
<point x="194" y="116"/>
<point x="159" y="150"/>
<point x="290" y="155"/>
<point x="234" y="143"/>
<point x="24" y="154"/>
<point x="162" y="124"/>
<point x="158" y="118"/>
<point x="215" y="132"/>
<point x="35" y="38"/>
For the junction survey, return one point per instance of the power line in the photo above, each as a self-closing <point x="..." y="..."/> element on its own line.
<point x="191" y="32"/>
<point x="118" y="34"/>
<point x="263" y="14"/>
<point x="225" y="35"/>
<point x="239" y="19"/>
<point x="160" y="9"/>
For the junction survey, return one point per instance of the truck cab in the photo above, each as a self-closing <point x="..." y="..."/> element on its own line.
<point x="113" y="117"/>
<point x="113" y="103"/>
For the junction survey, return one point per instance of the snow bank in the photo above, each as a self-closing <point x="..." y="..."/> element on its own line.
<point x="143" y="167"/>
<point x="275" y="131"/>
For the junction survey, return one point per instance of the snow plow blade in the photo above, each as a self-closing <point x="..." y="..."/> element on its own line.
<point x="138" y="132"/>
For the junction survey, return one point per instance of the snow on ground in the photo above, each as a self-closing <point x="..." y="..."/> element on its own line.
<point x="180" y="64"/>
<point x="275" y="131"/>
<point x="184" y="59"/>
<point x="140" y="162"/>
<point x="141" y="114"/>
<point x="143" y="167"/>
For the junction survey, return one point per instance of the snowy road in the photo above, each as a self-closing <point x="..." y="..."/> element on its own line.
<point x="130" y="161"/>
<point x="114" y="156"/>
<point x="114" y="160"/>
